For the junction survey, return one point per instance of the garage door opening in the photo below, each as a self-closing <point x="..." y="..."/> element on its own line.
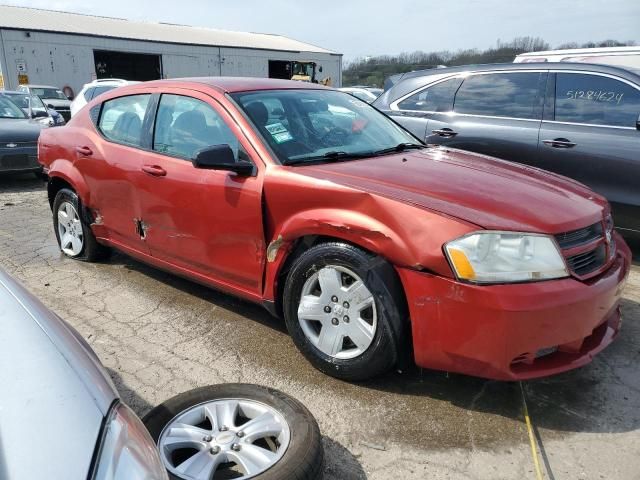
<point x="128" y="66"/>
<point x="280" y="69"/>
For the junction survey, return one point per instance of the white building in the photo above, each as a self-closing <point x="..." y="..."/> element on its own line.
<point x="68" y="50"/>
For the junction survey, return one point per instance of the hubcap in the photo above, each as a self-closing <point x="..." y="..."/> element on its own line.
<point x="337" y="312"/>
<point x="230" y="438"/>
<point x="70" y="229"/>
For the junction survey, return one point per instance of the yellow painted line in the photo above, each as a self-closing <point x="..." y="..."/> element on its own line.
<point x="532" y="438"/>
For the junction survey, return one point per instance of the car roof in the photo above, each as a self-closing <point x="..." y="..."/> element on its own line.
<point x="235" y="84"/>
<point x="408" y="82"/>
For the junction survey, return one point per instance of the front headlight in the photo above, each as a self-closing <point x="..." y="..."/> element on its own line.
<point x="502" y="257"/>
<point x="127" y="451"/>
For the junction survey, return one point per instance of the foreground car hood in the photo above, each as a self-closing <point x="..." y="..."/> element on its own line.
<point x="54" y="396"/>
<point x="18" y="130"/>
<point x="488" y="192"/>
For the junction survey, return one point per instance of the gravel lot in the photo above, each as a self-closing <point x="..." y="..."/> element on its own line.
<point x="160" y="335"/>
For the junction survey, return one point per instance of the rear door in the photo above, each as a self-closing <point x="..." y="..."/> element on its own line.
<point x="111" y="164"/>
<point x="208" y="222"/>
<point x="494" y="113"/>
<point x="590" y="134"/>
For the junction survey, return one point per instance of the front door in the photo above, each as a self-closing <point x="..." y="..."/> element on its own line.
<point x="207" y="222"/>
<point x="594" y="139"/>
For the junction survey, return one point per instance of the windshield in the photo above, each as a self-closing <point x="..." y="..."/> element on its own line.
<point x="49" y="93"/>
<point x="304" y="126"/>
<point x="22" y="100"/>
<point x="8" y="109"/>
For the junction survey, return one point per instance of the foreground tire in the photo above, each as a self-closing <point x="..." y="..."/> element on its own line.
<point x="74" y="235"/>
<point x="236" y="431"/>
<point x="345" y="311"/>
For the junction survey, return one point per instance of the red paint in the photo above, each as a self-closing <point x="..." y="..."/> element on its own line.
<point x="216" y="227"/>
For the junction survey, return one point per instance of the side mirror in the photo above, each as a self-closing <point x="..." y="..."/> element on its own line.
<point x="220" y="157"/>
<point x="39" y="114"/>
<point x="69" y="97"/>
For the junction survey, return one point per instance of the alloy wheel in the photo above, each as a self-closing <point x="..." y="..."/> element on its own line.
<point x="70" y="229"/>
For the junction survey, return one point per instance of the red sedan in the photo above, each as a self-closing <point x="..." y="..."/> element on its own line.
<point x="371" y="245"/>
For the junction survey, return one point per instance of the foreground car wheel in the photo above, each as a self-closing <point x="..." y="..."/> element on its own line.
<point x="75" y="238"/>
<point x="236" y="431"/>
<point x="344" y="311"/>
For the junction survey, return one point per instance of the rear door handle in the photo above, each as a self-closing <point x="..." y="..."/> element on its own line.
<point x="155" y="170"/>
<point x="559" y="143"/>
<point x="444" y="132"/>
<point x="83" y="150"/>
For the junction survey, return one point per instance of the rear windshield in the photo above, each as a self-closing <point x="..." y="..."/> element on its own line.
<point x="8" y="109"/>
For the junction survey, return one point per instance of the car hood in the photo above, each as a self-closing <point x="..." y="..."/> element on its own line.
<point x="54" y="396"/>
<point x="57" y="103"/>
<point x="18" y="130"/>
<point x="485" y="191"/>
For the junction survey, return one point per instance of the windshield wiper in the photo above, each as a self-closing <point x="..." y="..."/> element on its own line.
<point x="401" y="147"/>
<point x="336" y="155"/>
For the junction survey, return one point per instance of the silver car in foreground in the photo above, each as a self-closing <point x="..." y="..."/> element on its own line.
<point x="60" y="414"/>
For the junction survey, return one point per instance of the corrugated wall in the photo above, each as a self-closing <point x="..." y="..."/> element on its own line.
<point x="61" y="59"/>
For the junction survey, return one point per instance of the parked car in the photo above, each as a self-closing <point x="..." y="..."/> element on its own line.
<point x="578" y="120"/>
<point x="361" y="93"/>
<point x="53" y="97"/>
<point x="32" y="106"/>
<point x="92" y="89"/>
<point x="628" y="57"/>
<point x="375" y="90"/>
<point x="56" y="393"/>
<point x="364" y="239"/>
<point x="18" y="139"/>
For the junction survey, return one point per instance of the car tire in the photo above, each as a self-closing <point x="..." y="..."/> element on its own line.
<point x="303" y="456"/>
<point x="67" y="206"/>
<point x="387" y="334"/>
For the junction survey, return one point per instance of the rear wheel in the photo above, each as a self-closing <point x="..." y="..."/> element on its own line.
<point x="345" y="311"/>
<point x="74" y="235"/>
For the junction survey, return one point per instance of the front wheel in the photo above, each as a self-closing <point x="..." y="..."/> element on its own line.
<point x="345" y="311"/>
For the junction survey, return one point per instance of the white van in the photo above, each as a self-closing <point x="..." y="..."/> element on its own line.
<point x="619" y="56"/>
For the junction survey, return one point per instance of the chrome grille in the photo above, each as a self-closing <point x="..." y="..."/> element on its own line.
<point x="575" y="238"/>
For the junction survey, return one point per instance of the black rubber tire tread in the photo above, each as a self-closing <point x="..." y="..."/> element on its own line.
<point x="304" y="458"/>
<point x="391" y="343"/>
<point x="91" y="250"/>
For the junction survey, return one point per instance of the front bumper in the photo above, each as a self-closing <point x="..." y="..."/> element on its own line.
<point x="19" y="159"/>
<point x="517" y="331"/>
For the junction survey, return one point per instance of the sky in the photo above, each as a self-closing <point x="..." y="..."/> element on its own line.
<point x="359" y="28"/>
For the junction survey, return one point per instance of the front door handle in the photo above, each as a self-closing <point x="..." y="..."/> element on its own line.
<point x="559" y="143"/>
<point x="84" y="150"/>
<point x="155" y="170"/>
<point x="444" y="132"/>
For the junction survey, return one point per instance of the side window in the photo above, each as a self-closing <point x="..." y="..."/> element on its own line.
<point x="121" y="119"/>
<point x="596" y="100"/>
<point x="438" y="98"/>
<point x="185" y="125"/>
<point x="100" y="90"/>
<point x="88" y="93"/>
<point x="500" y="95"/>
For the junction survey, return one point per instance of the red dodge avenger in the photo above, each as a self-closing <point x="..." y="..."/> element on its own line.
<point x="371" y="245"/>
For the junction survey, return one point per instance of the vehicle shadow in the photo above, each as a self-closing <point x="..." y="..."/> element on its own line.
<point x="14" y="183"/>
<point x="220" y="299"/>
<point x="128" y="395"/>
<point x="603" y="396"/>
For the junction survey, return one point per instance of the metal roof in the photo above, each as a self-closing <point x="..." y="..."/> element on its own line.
<point x="34" y="19"/>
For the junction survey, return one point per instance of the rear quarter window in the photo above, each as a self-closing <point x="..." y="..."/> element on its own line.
<point x="596" y="100"/>
<point x="436" y="98"/>
<point x="121" y="119"/>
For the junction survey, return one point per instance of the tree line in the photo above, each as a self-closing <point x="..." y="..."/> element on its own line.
<point x="373" y="70"/>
